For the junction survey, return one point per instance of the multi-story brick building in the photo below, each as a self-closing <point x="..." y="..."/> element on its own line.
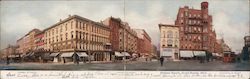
<point x="195" y="28"/>
<point x="27" y="44"/>
<point x="169" y="41"/>
<point x="76" y="36"/>
<point x="123" y="38"/>
<point x="144" y="45"/>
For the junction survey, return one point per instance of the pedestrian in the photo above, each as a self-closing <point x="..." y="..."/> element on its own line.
<point x="161" y="61"/>
<point x="63" y="60"/>
<point x="201" y="59"/>
<point x="7" y="60"/>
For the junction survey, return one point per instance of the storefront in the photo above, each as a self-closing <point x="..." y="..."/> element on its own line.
<point x="118" y="56"/>
<point x="186" y="55"/>
<point x="67" y="57"/>
<point x="55" y="57"/>
<point x="83" y="57"/>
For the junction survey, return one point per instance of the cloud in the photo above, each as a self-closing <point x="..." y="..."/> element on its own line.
<point x="14" y="27"/>
<point x="232" y="33"/>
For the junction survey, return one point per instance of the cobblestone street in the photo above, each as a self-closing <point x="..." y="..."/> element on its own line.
<point x="136" y="65"/>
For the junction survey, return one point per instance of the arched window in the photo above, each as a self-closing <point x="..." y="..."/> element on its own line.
<point x="169" y="42"/>
<point x="169" y="34"/>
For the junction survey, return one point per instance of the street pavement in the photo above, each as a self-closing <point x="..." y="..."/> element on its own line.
<point x="190" y="65"/>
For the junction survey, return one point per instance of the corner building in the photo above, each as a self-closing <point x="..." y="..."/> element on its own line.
<point x="75" y="35"/>
<point x="195" y="27"/>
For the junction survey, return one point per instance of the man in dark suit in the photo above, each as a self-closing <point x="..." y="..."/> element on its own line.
<point x="161" y="60"/>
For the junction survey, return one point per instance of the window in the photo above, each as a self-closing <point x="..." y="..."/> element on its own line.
<point x="76" y="24"/>
<point x="80" y="25"/>
<point x="199" y="38"/>
<point x="169" y="43"/>
<point x="205" y="16"/>
<point x="186" y="13"/>
<point x="205" y="29"/>
<point x="84" y="26"/>
<point x="76" y="34"/>
<point x="66" y="35"/>
<point x="72" y="34"/>
<point x="83" y="35"/>
<point x="65" y="27"/>
<point x="190" y="29"/>
<point x="181" y="15"/>
<point x="61" y="37"/>
<point x="181" y="28"/>
<point x="169" y="34"/>
<point x="71" y="24"/>
<point x="56" y="30"/>
<point x="61" y="29"/>
<point x="190" y="15"/>
<point x="199" y="29"/>
<point x="52" y="39"/>
<point x="189" y="21"/>
<point x="80" y="33"/>
<point x="52" y="31"/>
<point x="181" y="20"/>
<point x="205" y="38"/>
<point x="189" y="37"/>
<point x="56" y="38"/>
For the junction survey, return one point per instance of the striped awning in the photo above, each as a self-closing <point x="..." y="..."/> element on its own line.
<point x="82" y="54"/>
<point x="186" y="54"/>
<point x="199" y="53"/>
<point x="118" y="54"/>
<point x="167" y="52"/>
<point x="67" y="54"/>
<point x="54" y="54"/>
<point x="125" y="54"/>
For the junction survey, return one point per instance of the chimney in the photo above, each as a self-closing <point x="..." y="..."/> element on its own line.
<point x="60" y="20"/>
<point x="69" y="15"/>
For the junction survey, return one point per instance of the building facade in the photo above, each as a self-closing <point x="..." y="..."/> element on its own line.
<point x="196" y="32"/>
<point x="144" y="45"/>
<point x="246" y="49"/>
<point x="169" y="41"/>
<point x="75" y="35"/>
<point x="27" y="43"/>
<point x="10" y="51"/>
<point x="123" y="38"/>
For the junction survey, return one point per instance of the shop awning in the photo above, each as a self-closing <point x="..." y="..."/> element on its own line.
<point x="118" y="54"/>
<point x="125" y="54"/>
<point x="167" y="52"/>
<point x="82" y="54"/>
<point x="28" y="54"/>
<point x="199" y="53"/>
<point x="54" y="54"/>
<point x="67" y="54"/>
<point x="186" y="54"/>
<point x="13" y="56"/>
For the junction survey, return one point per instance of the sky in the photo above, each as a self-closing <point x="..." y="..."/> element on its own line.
<point x="230" y="17"/>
